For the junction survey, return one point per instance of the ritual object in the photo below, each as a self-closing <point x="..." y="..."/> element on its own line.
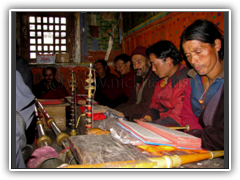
<point x="61" y="137"/>
<point x="89" y="87"/>
<point x="73" y="106"/>
<point x="186" y="128"/>
<point x="80" y="99"/>
<point x="165" y="161"/>
<point x="43" y="139"/>
<point x="97" y="113"/>
<point x="144" y="134"/>
<point x="154" y="134"/>
<point x="56" y="108"/>
<point x="178" y="138"/>
<point x="95" y="149"/>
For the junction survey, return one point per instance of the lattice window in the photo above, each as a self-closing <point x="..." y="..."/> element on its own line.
<point x="47" y="35"/>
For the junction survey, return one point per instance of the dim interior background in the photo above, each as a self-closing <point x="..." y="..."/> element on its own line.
<point x="84" y="37"/>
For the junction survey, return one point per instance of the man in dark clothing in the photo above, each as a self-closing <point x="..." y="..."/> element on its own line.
<point x="168" y="97"/>
<point x="49" y="87"/>
<point x="202" y="45"/>
<point x="141" y="94"/>
<point x="106" y="84"/>
<point x="123" y="66"/>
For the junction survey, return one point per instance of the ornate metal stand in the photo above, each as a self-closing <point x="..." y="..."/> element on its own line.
<point x="73" y="106"/>
<point x="89" y="87"/>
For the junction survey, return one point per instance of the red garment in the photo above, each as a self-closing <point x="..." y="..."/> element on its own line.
<point x="187" y="113"/>
<point x="107" y="90"/>
<point x="127" y="83"/>
<point x="51" y="101"/>
<point x="56" y="91"/>
<point x="110" y="86"/>
<point x="167" y="101"/>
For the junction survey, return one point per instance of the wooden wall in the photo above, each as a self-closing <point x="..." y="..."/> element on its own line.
<point x="169" y="27"/>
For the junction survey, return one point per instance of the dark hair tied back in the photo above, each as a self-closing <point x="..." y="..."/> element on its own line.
<point x="204" y="31"/>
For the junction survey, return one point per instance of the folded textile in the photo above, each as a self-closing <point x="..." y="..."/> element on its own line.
<point x="39" y="155"/>
<point x="96" y="116"/>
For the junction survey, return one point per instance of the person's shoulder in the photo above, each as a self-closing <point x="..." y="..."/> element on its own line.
<point x="182" y="72"/>
<point x="131" y="73"/>
<point x="112" y="76"/>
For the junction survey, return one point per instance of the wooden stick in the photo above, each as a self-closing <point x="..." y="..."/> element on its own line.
<point x="179" y="128"/>
<point x="158" y="162"/>
<point x="120" y="164"/>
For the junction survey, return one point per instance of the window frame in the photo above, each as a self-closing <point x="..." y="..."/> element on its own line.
<point x="25" y="34"/>
<point x="43" y="28"/>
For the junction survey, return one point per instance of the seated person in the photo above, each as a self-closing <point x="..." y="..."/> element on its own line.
<point x="142" y="92"/>
<point x="167" y="100"/>
<point x="203" y="109"/>
<point x="106" y="84"/>
<point x="122" y="65"/>
<point x="49" y="87"/>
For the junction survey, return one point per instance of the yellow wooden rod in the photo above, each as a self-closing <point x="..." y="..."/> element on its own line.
<point x="156" y="162"/>
<point x="177" y="160"/>
<point x="120" y="164"/>
<point x="178" y="128"/>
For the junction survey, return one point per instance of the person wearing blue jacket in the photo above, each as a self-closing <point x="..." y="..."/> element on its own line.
<point x="202" y="45"/>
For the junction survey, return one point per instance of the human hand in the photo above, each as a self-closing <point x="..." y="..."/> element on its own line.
<point x="141" y="119"/>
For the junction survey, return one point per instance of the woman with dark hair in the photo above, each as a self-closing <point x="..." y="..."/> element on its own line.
<point x="106" y="84"/>
<point x="49" y="87"/>
<point x="203" y="109"/>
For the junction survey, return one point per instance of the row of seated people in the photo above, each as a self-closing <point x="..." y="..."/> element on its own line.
<point x="168" y="93"/>
<point x="154" y="86"/>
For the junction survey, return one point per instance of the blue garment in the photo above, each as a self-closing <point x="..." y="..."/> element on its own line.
<point x="24" y="108"/>
<point x="197" y="91"/>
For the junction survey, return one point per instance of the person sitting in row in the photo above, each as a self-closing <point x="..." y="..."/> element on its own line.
<point x="114" y="91"/>
<point x="202" y="45"/>
<point x="123" y="66"/>
<point x="168" y="97"/>
<point x="142" y="92"/>
<point x="107" y="84"/>
<point x="49" y="87"/>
